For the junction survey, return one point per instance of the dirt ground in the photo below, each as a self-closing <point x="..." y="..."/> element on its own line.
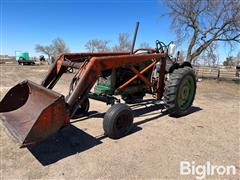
<point x="153" y="150"/>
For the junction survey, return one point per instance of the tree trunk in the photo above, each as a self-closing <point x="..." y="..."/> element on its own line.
<point x="190" y="47"/>
<point x="49" y="59"/>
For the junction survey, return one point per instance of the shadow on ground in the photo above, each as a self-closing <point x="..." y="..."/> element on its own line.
<point x="68" y="141"/>
<point x="71" y="140"/>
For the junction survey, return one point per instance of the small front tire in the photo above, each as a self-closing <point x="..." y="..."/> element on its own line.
<point x="117" y="121"/>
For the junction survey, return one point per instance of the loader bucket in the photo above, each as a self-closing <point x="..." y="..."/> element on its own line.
<point x="31" y="112"/>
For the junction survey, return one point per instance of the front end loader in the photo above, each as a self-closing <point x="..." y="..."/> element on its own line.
<point x="128" y="74"/>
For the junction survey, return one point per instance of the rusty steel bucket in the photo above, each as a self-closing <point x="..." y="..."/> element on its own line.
<point x="32" y="112"/>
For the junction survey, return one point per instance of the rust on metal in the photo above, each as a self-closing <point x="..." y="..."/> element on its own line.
<point x="32" y="113"/>
<point x="147" y="82"/>
<point x="138" y="74"/>
<point x="93" y="69"/>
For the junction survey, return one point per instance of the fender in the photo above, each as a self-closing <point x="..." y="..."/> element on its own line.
<point x="177" y="65"/>
<point x="186" y="63"/>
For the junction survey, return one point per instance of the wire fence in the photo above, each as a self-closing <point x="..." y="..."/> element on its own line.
<point x="220" y="72"/>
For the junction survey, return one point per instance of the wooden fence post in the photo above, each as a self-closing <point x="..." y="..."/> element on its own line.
<point x="218" y="75"/>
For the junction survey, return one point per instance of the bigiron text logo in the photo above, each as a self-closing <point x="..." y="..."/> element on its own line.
<point x="204" y="170"/>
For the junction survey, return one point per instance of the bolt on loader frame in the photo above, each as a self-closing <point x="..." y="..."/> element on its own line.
<point x="50" y="110"/>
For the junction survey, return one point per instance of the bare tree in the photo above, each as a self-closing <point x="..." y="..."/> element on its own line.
<point x="97" y="45"/>
<point x="144" y="45"/>
<point x="56" y="47"/>
<point x="124" y="44"/>
<point x="102" y="46"/>
<point x="48" y="50"/>
<point x="209" y="55"/>
<point x="59" y="46"/>
<point x="204" y="22"/>
<point x="91" y="45"/>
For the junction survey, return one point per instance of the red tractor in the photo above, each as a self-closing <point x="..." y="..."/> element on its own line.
<point x="128" y="74"/>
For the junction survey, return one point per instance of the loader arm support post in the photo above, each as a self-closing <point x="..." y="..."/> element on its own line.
<point x="160" y="83"/>
<point x="50" y="75"/>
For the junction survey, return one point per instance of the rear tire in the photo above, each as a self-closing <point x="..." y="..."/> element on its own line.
<point x="179" y="91"/>
<point x="117" y="121"/>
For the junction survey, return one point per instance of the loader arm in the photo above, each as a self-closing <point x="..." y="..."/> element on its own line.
<point x="97" y="63"/>
<point x="70" y="60"/>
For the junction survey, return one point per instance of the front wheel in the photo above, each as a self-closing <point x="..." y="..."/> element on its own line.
<point x="117" y="121"/>
<point x="82" y="109"/>
<point x="180" y="90"/>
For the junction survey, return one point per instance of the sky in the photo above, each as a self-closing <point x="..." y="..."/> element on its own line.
<point x="25" y="23"/>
